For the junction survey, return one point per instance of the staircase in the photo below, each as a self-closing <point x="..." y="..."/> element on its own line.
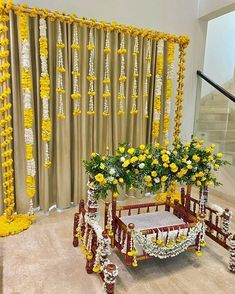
<point x="216" y="124"/>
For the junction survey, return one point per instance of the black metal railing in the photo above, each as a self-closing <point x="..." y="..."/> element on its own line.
<point x="216" y="86"/>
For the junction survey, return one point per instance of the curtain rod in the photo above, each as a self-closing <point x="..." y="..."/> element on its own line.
<point x="151" y="34"/>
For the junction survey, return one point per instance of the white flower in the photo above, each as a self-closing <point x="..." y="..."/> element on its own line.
<point x="157" y="180"/>
<point x="112" y="171"/>
<point x="110" y="179"/>
<point x="168" y="152"/>
<point x="189" y="162"/>
<point x="141" y="165"/>
<point x="122" y="159"/>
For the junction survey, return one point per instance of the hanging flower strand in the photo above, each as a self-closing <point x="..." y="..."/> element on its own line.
<point x="91" y="73"/>
<point x="76" y="73"/>
<point x="26" y="82"/>
<point x="134" y="95"/>
<point x="147" y="77"/>
<point x="158" y="91"/>
<point x="106" y="80"/>
<point x="179" y="96"/>
<point x="170" y="65"/>
<point x="45" y="90"/>
<point x="122" y="78"/>
<point x="6" y="122"/>
<point x="60" y="70"/>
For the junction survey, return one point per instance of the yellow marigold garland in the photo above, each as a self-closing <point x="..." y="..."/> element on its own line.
<point x="76" y="73"/>
<point x="158" y="92"/>
<point x="147" y="77"/>
<point x="60" y="70"/>
<point x="45" y="90"/>
<point x="26" y="82"/>
<point x="135" y="94"/>
<point x="122" y="78"/>
<point x="170" y="64"/>
<point x="179" y="96"/>
<point x="106" y="80"/>
<point x="91" y="72"/>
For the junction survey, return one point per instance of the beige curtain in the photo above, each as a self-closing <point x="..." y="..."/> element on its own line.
<point x="74" y="138"/>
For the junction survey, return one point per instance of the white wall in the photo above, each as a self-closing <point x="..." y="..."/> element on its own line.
<point x="220" y="50"/>
<point x="174" y="16"/>
<point x="213" y="8"/>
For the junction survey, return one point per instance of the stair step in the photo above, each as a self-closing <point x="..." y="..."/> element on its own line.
<point x="208" y="109"/>
<point x="204" y="125"/>
<point x="213" y="135"/>
<point x="216" y="100"/>
<point x="216" y="116"/>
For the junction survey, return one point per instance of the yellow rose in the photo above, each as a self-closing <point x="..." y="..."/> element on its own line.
<point x="189" y="166"/>
<point x="198" y="146"/>
<point x="146" y="151"/>
<point x="195" y="138"/>
<point x="184" y="160"/>
<point x="200" y="174"/>
<point x="212" y="146"/>
<point x="134" y="159"/>
<point x="126" y="163"/>
<point x="208" y="150"/>
<point x="165" y="164"/>
<point x="121" y="149"/>
<point x="175" y="152"/>
<point x="219" y="155"/>
<point x="93" y="154"/>
<point x="201" y="142"/>
<point x="193" y="178"/>
<point x="148" y="179"/>
<point x="157" y="145"/>
<point x="115" y="181"/>
<point x="149" y="184"/>
<point x="142" y="157"/>
<point x="166" y="143"/>
<point x="153" y="173"/>
<point x="198" y="183"/>
<point x="99" y="178"/>
<point x="216" y="166"/>
<point x="120" y="180"/>
<point x="210" y="158"/>
<point x="208" y="183"/>
<point x="115" y="194"/>
<point x="142" y="146"/>
<point x="174" y="167"/>
<point x="130" y="151"/>
<point x="163" y="151"/>
<point x="155" y="161"/>
<point x="196" y="158"/>
<point x="163" y="178"/>
<point x="165" y="158"/>
<point x="149" y="156"/>
<point x="187" y="144"/>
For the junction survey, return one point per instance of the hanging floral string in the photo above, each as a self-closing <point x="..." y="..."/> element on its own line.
<point x="122" y="78"/>
<point x="76" y="72"/>
<point x="158" y="91"/>
<point x="26" y="82"/>
<point x="179" y="96"/>
<point x="45" y="90"/>
<point x="135" y="95"/>
<point x="91" y="72"/>
<point x="6" y="121"/>
<point x="60" y="70"/>
<point x="170" y="66"/>
<point x="147" y="77"/>
<point x="106" y="80"/>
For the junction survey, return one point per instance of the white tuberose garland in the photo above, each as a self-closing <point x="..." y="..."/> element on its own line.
<point x="147" y="77"/>
<point x="134" y="95"/>
<point x="91" y="73"/>
<point x="106" y="80"/>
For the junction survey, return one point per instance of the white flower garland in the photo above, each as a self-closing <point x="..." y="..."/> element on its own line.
<point x="170" y="68"/>
<point x="165" y="252"/>
<point x="26" y="80"/>
<point x="122" y="78"/>
<point x="135" y="94"/>
<point x="60" y="73"/>
<point x="231" y="265"/>
<point x="76" y="73"/>
<point x="91" y="72"/>
<point x="106" y="80"/>
<point x="147" y="77"/>
<point x="45" y="90"/>
<point x="158" y="91"/>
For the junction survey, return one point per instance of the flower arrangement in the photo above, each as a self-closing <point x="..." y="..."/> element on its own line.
<point x="154" y="167"/>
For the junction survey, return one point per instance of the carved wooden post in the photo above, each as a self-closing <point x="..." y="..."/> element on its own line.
<point x="129" y="244"/>
<point x="81" y="205"/>
<point x="231" y="265"/>
<point x="168" y="201"/>
<point x="114" y="211"/>
<point x="176" y="208"/>
<point x="201" y="201"/>
<point x="110" y="274"/>
<point x="188" y="194"/>
<point x="182" y="194"/>
<point x="75" y="225"/>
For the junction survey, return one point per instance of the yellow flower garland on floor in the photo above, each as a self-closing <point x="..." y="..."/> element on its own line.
<point x="45" y="90"/>
<point x="158" y="92"/>
<point x="76" y="73"/>
<point x="10" y="223"/>
<point x="122" y="78"/>
<point x="170" y="64"/>
<point x="179" y="96"/>
<point x="26" y="82"/>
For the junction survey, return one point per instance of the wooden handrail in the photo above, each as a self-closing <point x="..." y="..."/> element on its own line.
<point x="216" y="86"/>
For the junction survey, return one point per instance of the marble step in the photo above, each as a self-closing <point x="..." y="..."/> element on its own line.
<point x="213" y="135"/>
<point x="215" y="100"/>
<point x="204" y="125"/>
<point x="216" y="116"/>
<point x="217" y="110"/>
